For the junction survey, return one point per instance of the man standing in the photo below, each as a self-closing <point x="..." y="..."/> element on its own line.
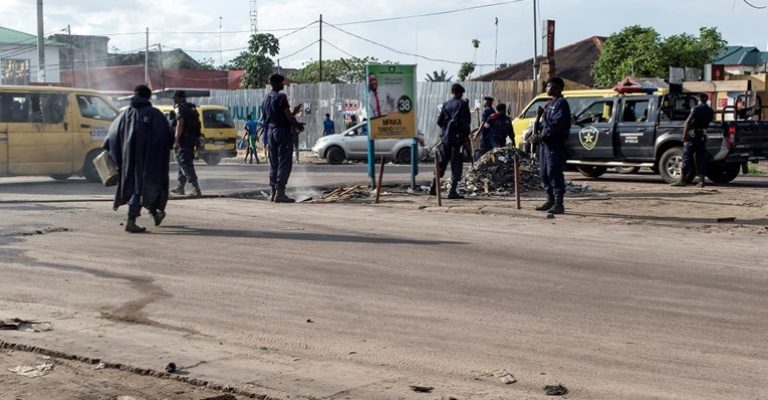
<point x="329" y="128"/>
<point x="486" y="141"/>
<point x="279" y="121"/>
<point x="454" y="121"/>
<point x="187" y="135"/>
<point x="695" y="143"/>
<point x="139" y="141"/>
<point x="251" y="132"/>
<point x="555" y="127"/>
<point x="498" y="127"/>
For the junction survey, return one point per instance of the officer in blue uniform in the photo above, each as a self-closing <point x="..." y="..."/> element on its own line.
<point x="498" y="128"/>
<point x="695" y="143"/>
<point x="555" y="121"/>
<point x="279" y="123"/>
<point x="483" y="132"/>
<point x="454" y="121"/>
<point x="186" y="126"/>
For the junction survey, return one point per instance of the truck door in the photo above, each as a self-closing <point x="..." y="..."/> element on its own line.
<point x="592" y="136"/>
<point x="635" y="131"/>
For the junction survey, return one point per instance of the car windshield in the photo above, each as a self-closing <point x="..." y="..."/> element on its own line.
<point x="357" y="130"/>
<point x="217" y="119"/>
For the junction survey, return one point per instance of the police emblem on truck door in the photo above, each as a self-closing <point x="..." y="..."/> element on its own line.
<point x="588" y="137"/>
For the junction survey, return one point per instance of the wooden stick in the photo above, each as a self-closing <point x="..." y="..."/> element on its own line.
<point x="517" y="180"/>
<point x="437" y="182"/>
<point x="381" y="177"/>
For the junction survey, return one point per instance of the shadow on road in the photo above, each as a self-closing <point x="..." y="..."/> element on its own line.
<point x="675" y="220"/>
<point x="181" y="230"/>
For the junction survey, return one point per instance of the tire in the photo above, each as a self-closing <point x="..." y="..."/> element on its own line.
<point x="335" y="155"/>
<point x="212" y="159"/>
<point x="671" y="165"/>
<point x="89" y="170"/>
<point x="404" y="155"/>
<point x="723" y="173"/>
<point x="591" y="171"/>
<point x="627" y="170"/>
<point x="61" y="177"/>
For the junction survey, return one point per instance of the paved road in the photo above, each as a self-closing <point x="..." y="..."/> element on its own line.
<point x="340" y="301"/>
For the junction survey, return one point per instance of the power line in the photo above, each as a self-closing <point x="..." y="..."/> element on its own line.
<point x="338" y="48"/>
<point x="299" y="50"/>
<point x="753" y="5"/>
<point x="432" y="14"/>
<point x="298" y="30"/>
<point x="405" y="53"/>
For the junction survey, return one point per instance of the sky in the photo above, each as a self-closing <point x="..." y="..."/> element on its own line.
<point x="194" y="25"/>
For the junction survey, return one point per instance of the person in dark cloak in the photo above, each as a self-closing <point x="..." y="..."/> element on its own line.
<point x="139" y="141"/>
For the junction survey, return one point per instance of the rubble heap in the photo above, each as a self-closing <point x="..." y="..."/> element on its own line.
<point x="495" y="172"/>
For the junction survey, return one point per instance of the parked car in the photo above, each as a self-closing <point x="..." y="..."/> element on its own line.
<point x="352" y="144"/>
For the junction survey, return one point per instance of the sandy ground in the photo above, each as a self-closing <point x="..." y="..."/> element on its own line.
<point x="636" y="293"/>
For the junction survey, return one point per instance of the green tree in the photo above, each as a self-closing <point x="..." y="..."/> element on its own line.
<point x="466" y="70"/>
<point x="441" y="76"/>
<point x="237" y="63"/>
<point x="640" y="51"/>
<point x="343" y="70"/>
<point x="257" y="62"/>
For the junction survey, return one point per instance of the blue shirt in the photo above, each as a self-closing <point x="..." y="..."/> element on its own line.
<point x="556" y="122"/>
<point x="251" y="127"/>
<point x="328" y="127"/>
<point x="454" y="119"/>
<point x="273" y="113"/>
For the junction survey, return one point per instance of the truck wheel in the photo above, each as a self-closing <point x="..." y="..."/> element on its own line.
<point x="212" y="159"/>
<point x="627" y="170"/>
<point x="335" y="155"/>
<point x="671" y="165"/>
<point x="89" y="170"/>
<point x="61" y="177"/>
<point x="591" y="171"/>
<point x="723" y="173"/>
<point x="404" y="156"/>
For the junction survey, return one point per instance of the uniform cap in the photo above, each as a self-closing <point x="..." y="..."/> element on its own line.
<point x="488" y="98"/>
<point x="180" y="93"/>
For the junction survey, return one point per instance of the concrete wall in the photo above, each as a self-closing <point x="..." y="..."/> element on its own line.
<point x="30" y="53"/>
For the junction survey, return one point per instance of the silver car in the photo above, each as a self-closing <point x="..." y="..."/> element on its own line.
<point x="352" y="144"/>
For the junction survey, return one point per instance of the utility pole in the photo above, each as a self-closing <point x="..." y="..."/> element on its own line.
<point x="221" y="51"/>
<point x="496" y="46"/>
<point x="535" y="52"/>
<point x="160" y="61"/>
<point x="40" y="43"/>
<point x="146" y="60"/>
<point x="320" y="68"/>
<point x="71" y="55"/>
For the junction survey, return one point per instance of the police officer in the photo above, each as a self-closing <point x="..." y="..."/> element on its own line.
<point x="483" y="131"/>
<point x="186" y="126"/>
<point x="555" y="125"/>
<point x="279" y="123"/>
<point x="695" y="143"/>
<point x="498" y="128"/>
<point x="454" y="121"/>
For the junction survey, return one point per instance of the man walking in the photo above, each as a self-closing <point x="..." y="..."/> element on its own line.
<point x="139" y="141"/>
<point x="187" y="135"/>
<point x="329" y="128"/>
<point x="555" y="126"/>
<point x="695" y="143"/>
<point x="279" y="121"/>
<point x="251" y="132"/>
<point x="483" y="131"/>
<point x="454" y="121"/>
<point x="498" y="127"/>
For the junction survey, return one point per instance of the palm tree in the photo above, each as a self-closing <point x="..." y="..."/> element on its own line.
<point x="441" y="76"/>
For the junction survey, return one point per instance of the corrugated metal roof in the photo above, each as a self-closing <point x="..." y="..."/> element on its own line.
<point x="740" y="55"/>
<point x="13" y="37"/>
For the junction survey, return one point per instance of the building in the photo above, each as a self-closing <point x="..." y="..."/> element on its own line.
<point x="19" y="61"/>
<point x="739" y="60"/>
<point x="573" y="63"/>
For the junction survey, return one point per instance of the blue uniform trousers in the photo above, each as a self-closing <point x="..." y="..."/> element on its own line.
<point x="694" y="158"/>
<point x="552" y="161"/>
<point x="185" y="157"/>
<point x="280" y="158"/>
<point x="450" y="151"/>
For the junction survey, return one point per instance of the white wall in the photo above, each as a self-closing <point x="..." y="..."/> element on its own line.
<point x="30" y="53"/>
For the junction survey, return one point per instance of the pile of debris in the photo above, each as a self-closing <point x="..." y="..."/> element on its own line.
<point x="345" y="194"/>
<point x="495" y="173"/>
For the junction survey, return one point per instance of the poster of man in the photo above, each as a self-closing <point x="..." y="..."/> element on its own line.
<point x="391" y="101"/>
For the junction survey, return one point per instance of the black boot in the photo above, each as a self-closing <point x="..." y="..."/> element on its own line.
<point x="558" y="208"/>
<point x="433" y="188"/>
<point x="158" y="216"/>
<point x="272" y="194"/>
<point x="280" y="197"/>
<point x="547" y="204"/>
<point x="196" y="190"/>
<point x="130" y="226"/>
<point x="179" y="190"/>
<point x="454" y="193"/>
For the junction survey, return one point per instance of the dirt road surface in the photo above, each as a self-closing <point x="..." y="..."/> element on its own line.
<point x="637" y="293"/>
